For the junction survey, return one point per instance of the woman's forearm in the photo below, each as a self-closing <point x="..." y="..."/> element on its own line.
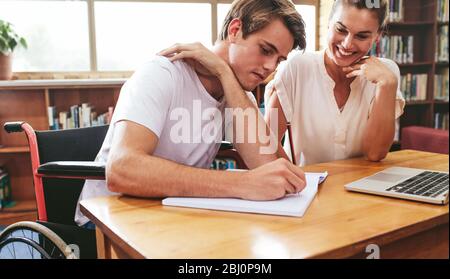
<point x="380" y="129"/>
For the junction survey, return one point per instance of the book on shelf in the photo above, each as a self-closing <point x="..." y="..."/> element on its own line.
<point x="414" y="86"/>
<point x="5" y="189"/>
<point x="397" y="48"/>
<point x="442" y="10"/>
<point x="223" y="164"/>
<point x="441" y="86"/>
<point x="396" y="10"/>
<point x="442" y="44"/>
<point x="441" y="120"/>
<point x="78" y="116"/>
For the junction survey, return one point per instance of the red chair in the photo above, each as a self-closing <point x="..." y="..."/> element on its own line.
<point x="425" y="139"/>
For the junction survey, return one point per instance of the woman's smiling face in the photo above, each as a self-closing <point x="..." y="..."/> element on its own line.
<point x="351" y="34"/>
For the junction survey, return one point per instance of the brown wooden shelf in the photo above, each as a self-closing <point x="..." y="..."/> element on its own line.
<point x="14" y="149"/>
<point x="410" y="23"/>
<point x="441" y="102"/>
<point x="62" y="83"/>
<point x="416" y="64"/>
<point x="415" y="103"/>
<point x="442" y="64"/>
<point x="21" y="211"/>
<point x="20" y="207"/>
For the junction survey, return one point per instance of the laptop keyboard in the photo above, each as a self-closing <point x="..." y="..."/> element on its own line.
<point x="426" y="184"/>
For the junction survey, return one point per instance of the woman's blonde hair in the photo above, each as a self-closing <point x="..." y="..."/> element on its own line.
<point x="257" y="14"/>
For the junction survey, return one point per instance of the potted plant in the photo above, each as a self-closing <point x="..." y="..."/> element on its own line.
<point x="9" y="40"/>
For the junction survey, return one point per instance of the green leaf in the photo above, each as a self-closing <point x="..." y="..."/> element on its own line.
<point x="12" y="44"/>
<point x="23" y="42"/>
<point x="9" y="39"/>
<point x="3" y="45"/>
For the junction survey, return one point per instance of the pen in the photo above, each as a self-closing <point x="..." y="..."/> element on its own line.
<point x="291" y="144"/>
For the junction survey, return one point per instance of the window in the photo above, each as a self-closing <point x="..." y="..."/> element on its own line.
<point x="57" y="34"/>
<point x="128" y="33"/>
<point x="125" y="33"/>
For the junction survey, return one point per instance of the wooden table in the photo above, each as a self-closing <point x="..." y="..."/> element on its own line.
<point x="338" y="224"/>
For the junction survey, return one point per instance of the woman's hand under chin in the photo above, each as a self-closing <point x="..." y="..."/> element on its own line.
<point x="373" y="70"/>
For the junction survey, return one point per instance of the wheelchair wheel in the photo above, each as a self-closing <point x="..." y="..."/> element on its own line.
<point x="30" y="240"/>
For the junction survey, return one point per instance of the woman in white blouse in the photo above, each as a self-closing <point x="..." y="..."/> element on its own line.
<point x="339" y="102"/>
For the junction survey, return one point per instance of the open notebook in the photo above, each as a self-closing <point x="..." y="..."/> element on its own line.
<point x="291" y="205"/>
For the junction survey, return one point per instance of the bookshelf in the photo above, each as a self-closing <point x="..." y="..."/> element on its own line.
<point x="28" y="100"/>
<point x="424" y="21"/>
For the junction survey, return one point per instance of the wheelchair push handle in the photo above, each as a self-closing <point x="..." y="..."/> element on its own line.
<point x="13" y="127"/>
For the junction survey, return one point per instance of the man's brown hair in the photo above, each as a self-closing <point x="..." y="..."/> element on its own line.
<point x="257" y="14"/>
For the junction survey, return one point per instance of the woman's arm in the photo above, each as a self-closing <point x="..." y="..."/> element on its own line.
<point x="380" y="129"/>
<point x="379" y="132"/>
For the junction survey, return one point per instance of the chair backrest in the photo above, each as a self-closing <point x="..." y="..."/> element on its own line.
<point x="80" y="144"/>
<point x="425" y="139"/>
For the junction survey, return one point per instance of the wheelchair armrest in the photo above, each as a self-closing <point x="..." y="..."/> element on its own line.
<point x="73" y="169"/>
<point x="13" y="127"/>
<point x="225" y="145"/>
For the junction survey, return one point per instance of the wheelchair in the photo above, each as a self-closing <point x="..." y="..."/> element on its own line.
<point x="61" y="162"/>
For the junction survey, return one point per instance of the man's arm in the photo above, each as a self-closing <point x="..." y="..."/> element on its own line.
<point x="132" y="169"/>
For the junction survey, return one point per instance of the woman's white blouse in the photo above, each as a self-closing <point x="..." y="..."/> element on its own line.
<point x="321" y="133"/>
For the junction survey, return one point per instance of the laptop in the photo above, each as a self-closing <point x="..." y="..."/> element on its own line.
<point x="405" y="183"/>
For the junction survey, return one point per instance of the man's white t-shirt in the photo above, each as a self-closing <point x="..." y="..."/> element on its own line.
<point x="168" y="99"/>
<point x="320" y="131"/>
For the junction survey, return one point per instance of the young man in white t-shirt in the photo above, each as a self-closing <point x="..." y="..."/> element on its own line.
<point x="168" y="122"/>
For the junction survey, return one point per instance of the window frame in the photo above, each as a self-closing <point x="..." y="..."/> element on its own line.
<point x="93" y="43"/>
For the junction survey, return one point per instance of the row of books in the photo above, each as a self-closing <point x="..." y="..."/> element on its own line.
<point x="442" y="44"/>
<point x="5" y="189"/>
<point x="223" y="164"/>
<point x="414" y="86"/>
<point x="396" y="10"/>
<point x="441" y="86"/>
<point x="398" y="48"/>
<point x="441" y="121"/>
<point x="442" y="10"/>
<point x="79" y="116"/>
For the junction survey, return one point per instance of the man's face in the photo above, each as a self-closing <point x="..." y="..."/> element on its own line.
<point x="253" y="59"/>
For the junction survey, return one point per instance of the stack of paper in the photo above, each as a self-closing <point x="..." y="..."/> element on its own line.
<point x="291" y="205"/>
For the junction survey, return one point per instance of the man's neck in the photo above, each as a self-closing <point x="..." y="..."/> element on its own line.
<point x="211" y="83"/>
